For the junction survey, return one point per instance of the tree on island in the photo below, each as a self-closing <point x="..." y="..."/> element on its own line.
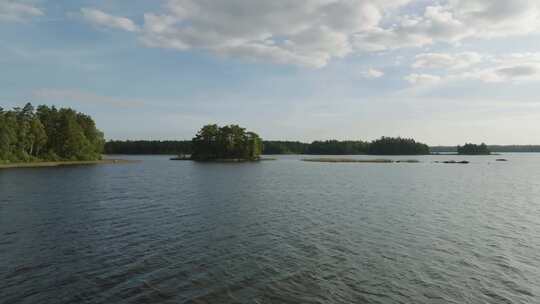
<point x="230" y="142"/>
<point x="397" y="146"/>
<point x="48" y="134"/>
<point x="472" y="149"/>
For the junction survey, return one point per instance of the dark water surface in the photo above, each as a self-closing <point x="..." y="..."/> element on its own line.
<point x="281" y="231"/>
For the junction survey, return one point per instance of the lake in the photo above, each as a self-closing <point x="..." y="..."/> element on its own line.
<point x="282" y="231"/>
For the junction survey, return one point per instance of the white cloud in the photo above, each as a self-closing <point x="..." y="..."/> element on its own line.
<point x="422" y="79"/>
<point x="313" y="32"/>
<point x="496" y="18"/>
<point x="13" y="11"/>
<point x="453" y="21"/>
<point x="99" y="18"/>
<point x="373" y="73"/>
<point x="434" y="24"/>
<point x="509" y="68"/>
<point x="517" y="67"/>
<point x="446" y="60"/>
<point x="307" y="33"/>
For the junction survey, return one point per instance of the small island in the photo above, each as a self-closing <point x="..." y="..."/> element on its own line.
<point x="472" y="149"/>
<point x="230" y="143"/>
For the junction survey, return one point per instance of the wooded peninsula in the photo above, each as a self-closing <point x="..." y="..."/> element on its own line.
<point x="48" y="134"/>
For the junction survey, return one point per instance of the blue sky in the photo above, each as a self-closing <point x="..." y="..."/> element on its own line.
<point x="443" y="72"/>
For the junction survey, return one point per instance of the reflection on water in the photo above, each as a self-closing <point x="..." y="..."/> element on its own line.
<point x="280" y="231"/>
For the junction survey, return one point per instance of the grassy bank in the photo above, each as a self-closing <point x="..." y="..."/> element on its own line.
<point x="65" y="163"/>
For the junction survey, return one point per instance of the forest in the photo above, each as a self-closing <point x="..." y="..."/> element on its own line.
<point x="213" y="142"/>
<point x="169" y="147"/>
<point x="148" y="147"/>
<point x="397" y="146"/>
<point x="472" y="149"/>
<point x="493" y="148"/>
<point x="335" y="147"/>
<point x="48" y="134"/>
<point x="385" y="145"/>
<point x="284" y="147"/>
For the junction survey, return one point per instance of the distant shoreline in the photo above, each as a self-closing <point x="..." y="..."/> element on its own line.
<point x="65" y="163"/>
<point x="272" y="147"/>
<point x="347" y="160"/>
<point x="223" y="160"/>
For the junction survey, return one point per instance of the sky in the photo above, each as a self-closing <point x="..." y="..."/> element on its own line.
<point x="443" y="72"/>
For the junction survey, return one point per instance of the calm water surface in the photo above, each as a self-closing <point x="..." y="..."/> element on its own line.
<point x="281" y="231"/>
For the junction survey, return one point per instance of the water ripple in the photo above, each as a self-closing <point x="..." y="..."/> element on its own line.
<point x="275" y="232"/>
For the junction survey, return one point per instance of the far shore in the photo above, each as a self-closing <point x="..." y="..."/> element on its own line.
<point x="65" y="163"/>
<point x="347" y="160"/>
<point x="224" y="160"/>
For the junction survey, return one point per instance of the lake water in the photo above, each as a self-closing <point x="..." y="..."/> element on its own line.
<point x="281" y="231"/>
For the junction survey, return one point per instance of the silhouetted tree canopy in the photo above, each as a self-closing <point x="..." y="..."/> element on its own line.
<point x="335" y="147"/>
<point x="472" y="149"/>
<point x="397" y="146"/>
<point x="149" y="147"/>
<point x="48" y="133"/>
<point x="284" y="147"/>
<point x="393" y="146"/>
<point x="493" y="148"/>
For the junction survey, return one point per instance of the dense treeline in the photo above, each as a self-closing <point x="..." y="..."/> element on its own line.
<point x="472" y="149"/>
<point x="514" y="148"/>
<point x="397" y="146"/>
<point x="334" y="147"/>
<point x="169" y="147"/>
<point x="165" y="147"/>
<point x="444" y="149"/>
<point x="385" y="145"/>
<point x="213" y="142"/>
<point x="492" y="148"/>
<point x="284" y="147"/>
<point x="48" y="133"/>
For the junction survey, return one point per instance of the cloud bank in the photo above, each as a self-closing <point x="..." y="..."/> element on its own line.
<point x="509" y="68"/>
<point x="311" y="33"/>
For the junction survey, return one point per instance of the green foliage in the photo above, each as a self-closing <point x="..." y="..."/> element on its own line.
<point x="148" y="147"/>
<point x="284" y="147"/>
<point x="48" y="134"/>
<point x="472" y="149"/>
<point x="334" y="147"/>
<point x="397" y="146"/>
<point x="514" y="148"/>
<point x="493" y="148"/>
<point x="227" y="142"/>
<point x="8" y="135"/>
<point x="328" y="147"/>
<point x="170" y="147"/>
